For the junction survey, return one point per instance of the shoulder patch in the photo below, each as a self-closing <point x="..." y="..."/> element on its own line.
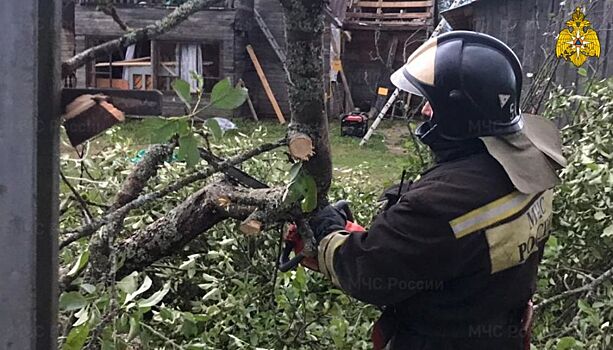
<point x="513" y="242"/>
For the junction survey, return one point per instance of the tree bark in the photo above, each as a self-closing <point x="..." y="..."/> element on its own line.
<point x="198" y="213"/>
<point x="304" y="25"/>
<point x="100" y="245"/>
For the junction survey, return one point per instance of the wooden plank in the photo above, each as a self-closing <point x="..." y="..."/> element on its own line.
<point x="202" y="25"/>
<point x="249" y="102"/>
<point x="348" y="98"/>
<point x="371" y="25"/>
<point x="409" y="15"/>
<point x="155" y="63"/>
<point x="264" y="80"/>
<point x="395" y="4"/>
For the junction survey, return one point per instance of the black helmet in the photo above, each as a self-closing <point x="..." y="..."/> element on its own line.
<point x="473" y="82"/>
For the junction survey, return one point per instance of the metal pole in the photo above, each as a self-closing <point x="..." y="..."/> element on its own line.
<point x="29" y="129"/>
<point x="392" y="98"/>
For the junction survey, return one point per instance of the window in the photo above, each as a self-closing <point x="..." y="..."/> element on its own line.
<point x="178" y="59"/>
<point x="131" y="67"/>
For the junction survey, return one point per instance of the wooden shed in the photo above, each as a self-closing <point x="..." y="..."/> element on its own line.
<point x="381" y="36"/>
<point x="531" y="27"/>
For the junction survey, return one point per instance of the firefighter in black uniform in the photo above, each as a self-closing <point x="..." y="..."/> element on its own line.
<point x="453" y="260"/>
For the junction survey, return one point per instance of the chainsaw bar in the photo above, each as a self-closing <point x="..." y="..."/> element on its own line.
<point x="234" y="173"/>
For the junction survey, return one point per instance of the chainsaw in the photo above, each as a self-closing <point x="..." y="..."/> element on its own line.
<point x="293" y="239"/>
<point x="294" y="243"/>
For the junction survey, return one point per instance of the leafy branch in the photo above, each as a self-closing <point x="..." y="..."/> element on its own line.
<point x="590" y="287"/>
<point x="88" y="229"/>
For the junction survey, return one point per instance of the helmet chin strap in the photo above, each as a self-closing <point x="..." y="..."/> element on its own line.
<point x="426" y="132"/>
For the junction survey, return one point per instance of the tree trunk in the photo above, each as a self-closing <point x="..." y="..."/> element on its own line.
<point x="304" y="25"/>
<point x="243" y="24"/>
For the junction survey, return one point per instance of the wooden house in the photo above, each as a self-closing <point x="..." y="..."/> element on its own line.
<point x="380" y="36"/>
<point x="365" y="40"/>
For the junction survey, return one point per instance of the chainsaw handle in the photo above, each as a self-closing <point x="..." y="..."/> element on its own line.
<point x="286" y="264"/>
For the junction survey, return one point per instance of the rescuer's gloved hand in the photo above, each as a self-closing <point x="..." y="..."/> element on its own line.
<point x="327" y="220"/>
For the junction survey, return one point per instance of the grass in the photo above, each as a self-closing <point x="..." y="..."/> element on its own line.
<point x="381" y="166"/>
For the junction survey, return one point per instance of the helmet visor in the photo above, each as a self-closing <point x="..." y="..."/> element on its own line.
<point x="400" y="81"/>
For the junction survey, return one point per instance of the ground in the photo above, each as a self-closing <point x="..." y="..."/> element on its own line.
<point x="382" y="159"/>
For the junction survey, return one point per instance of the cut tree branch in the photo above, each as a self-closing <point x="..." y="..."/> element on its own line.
<point x="175" y="18"/>
<point x="198" y="213"/>
<point x="143" y="171"/>
<point x="86" y="230"/>
<point x="586" y="288"/>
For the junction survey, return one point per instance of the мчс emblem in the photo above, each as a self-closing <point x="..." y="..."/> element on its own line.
<point x="578" y="41"/>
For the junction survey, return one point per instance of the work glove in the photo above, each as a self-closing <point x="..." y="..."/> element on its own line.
<point x="327" y="220"/>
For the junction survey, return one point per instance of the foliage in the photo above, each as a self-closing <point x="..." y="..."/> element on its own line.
<point x="582" y="239"/>
<point x="221" y="291"/>
<point x="161" y="130"/>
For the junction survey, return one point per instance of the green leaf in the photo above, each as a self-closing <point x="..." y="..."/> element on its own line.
<point x="164" y="133"/>
<point x="82" y="316"/>
<point x="310" y="196"/>
<point x="166" y="314"/>
<point x="128" y="284"/>
<point x="134" y="328"/>
<point x="88" y="288"/>
<point x="188" y="150"/>
<point x="189" y="329"/>
<point x="302" y="187"/>
<point x="582" y="72"/>
<point x="294" y="171"/>
<point x="599" y="215"/>
<point x="608" y="231"/>
<point x="566" y="343"/>
<point x="198" y="78"/>
<point x="143" y="288"/>
<point x="210" y="294"/>
<point x="214" y="127"/>
<point x="72" y="301"/>
<point x="225" y="96"/>
<point x="155" y="298"/>
<point x="183" y="90"/>
<point x="76" y="338"/>
<point x="161" y="130"/>
<point x="79" y="264"/>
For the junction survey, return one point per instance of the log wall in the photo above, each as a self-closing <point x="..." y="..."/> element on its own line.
<point x="530" y="28"/>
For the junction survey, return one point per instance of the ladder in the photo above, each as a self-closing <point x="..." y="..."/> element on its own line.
<point x="271" y="39"/>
